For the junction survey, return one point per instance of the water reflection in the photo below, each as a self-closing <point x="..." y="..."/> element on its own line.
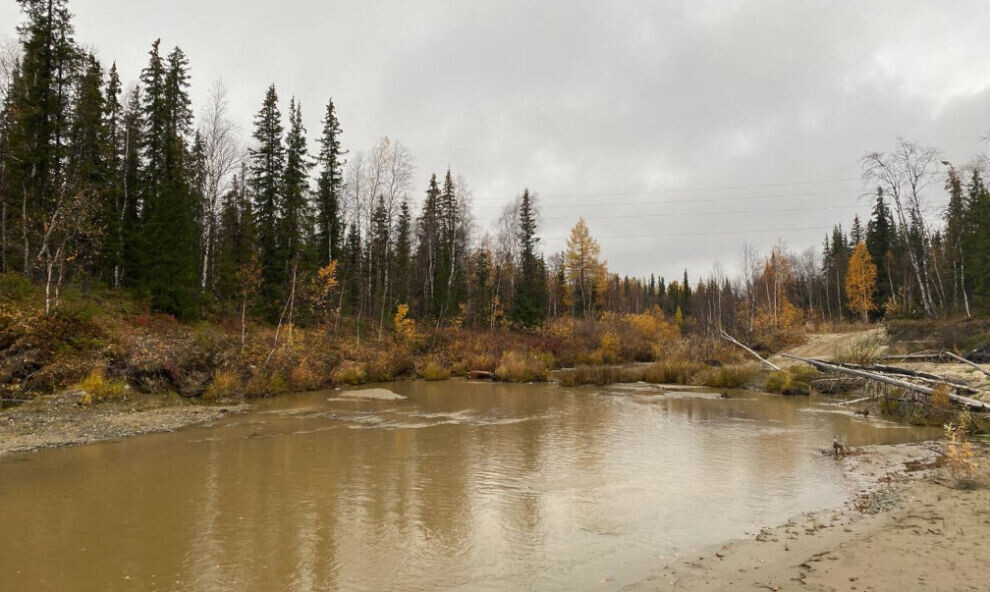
<point x="461" y="486"/>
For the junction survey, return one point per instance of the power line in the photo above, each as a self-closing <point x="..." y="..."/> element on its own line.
<point x="681" y="190"/>
<point x="682" y="201"/>
<point x="677" y="214"/>
<point x="712" y="233"/>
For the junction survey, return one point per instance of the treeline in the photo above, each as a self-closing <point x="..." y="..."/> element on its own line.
<point x="128" y="189"/>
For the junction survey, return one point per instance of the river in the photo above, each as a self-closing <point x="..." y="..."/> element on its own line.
<point x="461" y="486"/>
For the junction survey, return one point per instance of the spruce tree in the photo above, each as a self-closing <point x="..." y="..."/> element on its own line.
<point x="402" y="264"/>
<point x="330" y="231"/>
<point x="169" y="212"/>
<point x="880" y="242"/>
<point x="38" y="140"/>
<point x="293" y="209"/>
<point x="529" y="301"/>
<point x="267" y="168"/>
<point x="976" y="242"/>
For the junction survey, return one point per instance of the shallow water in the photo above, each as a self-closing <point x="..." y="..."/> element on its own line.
<point x="462" y="486"/>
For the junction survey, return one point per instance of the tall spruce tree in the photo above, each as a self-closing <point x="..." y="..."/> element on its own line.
<point x="38" y="140"/>
<point x="402" y="263"/>
<point x="330" y="230"/>
<point x="881" y="236"/>
<point x="976" y="242"/>
<point x="293" y="209"/>
<point x="169" y="213"/>
<point x="267" y="168"/>
<point x="529" y="302"/>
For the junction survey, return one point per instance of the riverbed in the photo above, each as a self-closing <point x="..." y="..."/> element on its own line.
<point x="458" y="486"/>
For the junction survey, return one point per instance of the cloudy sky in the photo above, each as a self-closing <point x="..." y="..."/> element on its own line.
<point x="679" y="130"/>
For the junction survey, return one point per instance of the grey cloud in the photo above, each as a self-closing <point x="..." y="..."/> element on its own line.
<point x="579" y="98"/>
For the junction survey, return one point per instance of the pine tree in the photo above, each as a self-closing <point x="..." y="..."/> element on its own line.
<point x="267" y="172"/>
<point x="330" y="186"/>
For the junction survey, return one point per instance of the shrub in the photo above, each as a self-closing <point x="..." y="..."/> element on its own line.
<point x="793" y="381"/>
<point x="100" y="389"/>
<point x="609" y="348"/>
<point x="349" y="373"/>
<point x="940" y="397"/>
<point x="225" y="384"/>
<point x="959" y="451"/>
<point x="778" y="381"/>
<point x="303" y="377"/>
<point x="517" y="367"/>
<point x="435" y="371"/>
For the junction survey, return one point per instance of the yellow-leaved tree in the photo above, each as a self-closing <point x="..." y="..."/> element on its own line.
<point x="586" y="275"/>
<point x="861" y="281"/>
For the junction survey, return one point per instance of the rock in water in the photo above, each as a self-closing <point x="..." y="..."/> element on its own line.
<point x="375" y="394"/>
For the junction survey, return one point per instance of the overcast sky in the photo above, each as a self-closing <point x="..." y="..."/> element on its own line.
<point x="617" y="111"/>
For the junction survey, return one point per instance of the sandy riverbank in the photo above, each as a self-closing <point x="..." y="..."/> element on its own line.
<point x="59" y="420"/>
<point x="905" y="530"/>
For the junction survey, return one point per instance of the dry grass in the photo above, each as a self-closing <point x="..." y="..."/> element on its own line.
<point x="349" y="373"/>
<point x="518" y="367"/>
<point x="736" y="376"/>
<point x="435" y="371"/>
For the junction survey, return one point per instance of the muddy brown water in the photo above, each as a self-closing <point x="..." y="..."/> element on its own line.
<point x="462" y="486"/>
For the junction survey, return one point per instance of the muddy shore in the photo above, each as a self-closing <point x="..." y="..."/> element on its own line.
<point x="60" y="420"/>
<point x="909" y="527"/>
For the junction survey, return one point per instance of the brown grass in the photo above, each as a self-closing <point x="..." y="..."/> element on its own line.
<point x="518" y="367"/>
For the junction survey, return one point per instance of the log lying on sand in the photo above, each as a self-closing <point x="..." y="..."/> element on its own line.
<point x="904" y="384"/>
<point x="733" y="340"/>
<point x="942" y="356"/>
<point x="932" y="378"/>
<point x="965" y="361"/>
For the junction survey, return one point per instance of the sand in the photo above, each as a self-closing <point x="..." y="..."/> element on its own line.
<point x="906" y="531"/>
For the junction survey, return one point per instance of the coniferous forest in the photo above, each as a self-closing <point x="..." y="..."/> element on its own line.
<point x="107" y="188"/>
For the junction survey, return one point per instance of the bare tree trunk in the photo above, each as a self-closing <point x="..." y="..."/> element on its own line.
<point x="243" y="321"/>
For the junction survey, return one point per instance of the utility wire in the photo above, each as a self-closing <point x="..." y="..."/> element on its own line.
<point x="681" y="190"/>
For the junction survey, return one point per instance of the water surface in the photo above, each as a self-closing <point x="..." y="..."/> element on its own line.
<point x="463" y="486"/>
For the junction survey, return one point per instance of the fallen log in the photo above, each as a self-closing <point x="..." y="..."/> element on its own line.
<point x="909" y="386"/>
<point x="934" y="378"/>
<point x="733" y="340"/>
<point x="965" y="361"/>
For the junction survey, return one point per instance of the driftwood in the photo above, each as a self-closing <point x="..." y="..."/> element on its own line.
<point x="904" y="384"/>
<point x="965" y="361"/>
<point x="733" y="340"/>
<point x="931" y="378"/>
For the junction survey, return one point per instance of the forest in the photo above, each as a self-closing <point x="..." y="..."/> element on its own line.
<point x="132" y="198"/>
